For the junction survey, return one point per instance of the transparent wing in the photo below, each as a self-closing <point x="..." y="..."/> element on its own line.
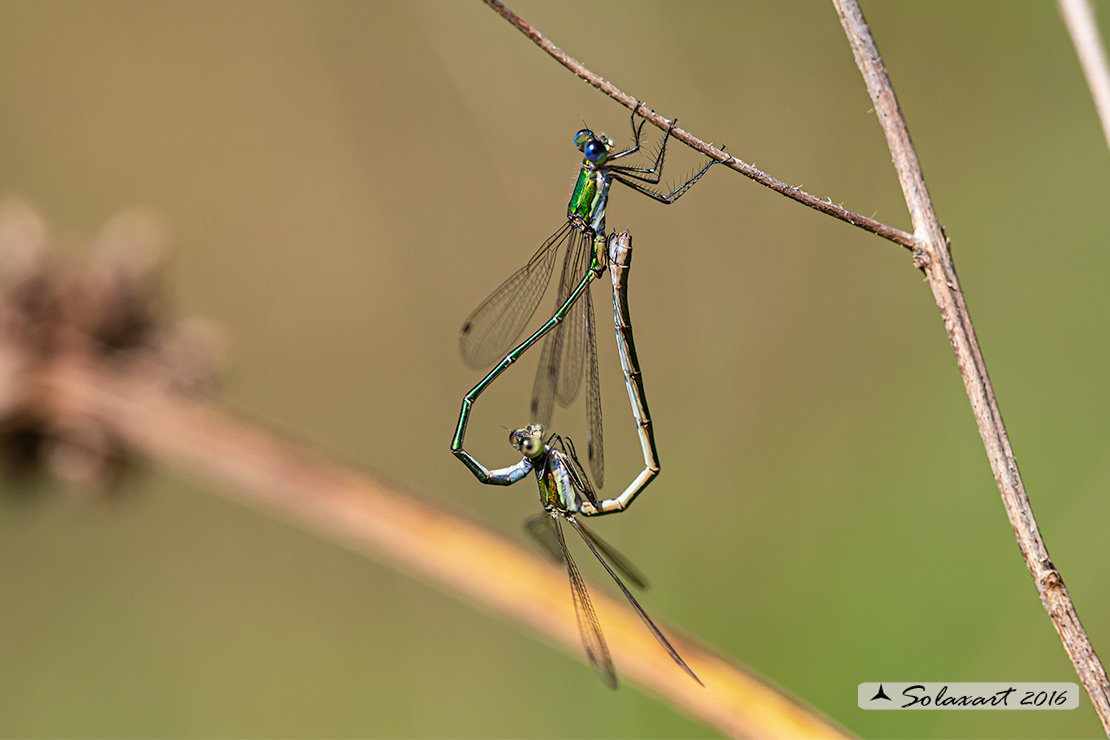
<point x="560" y="369"/>
<point x="595" y="450"/>
<point x="569" y="377"/>
<point x="588" y="626"/>
<point x="543" y="388"/>
<point x="493" y="327"/>
<point x="632" y="600"/>
<point x="567" y="457"/>
<point x="620" y="562"/>
<point x="542" y="528"/>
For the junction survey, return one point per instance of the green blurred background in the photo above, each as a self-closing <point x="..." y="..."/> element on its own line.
<point x="346" y="180"/>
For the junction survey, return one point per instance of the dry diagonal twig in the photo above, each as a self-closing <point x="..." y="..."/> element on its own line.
<point x="824" y="206"/>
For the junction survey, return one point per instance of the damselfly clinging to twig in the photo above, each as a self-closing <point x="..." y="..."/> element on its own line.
<point x="495" y="325"/>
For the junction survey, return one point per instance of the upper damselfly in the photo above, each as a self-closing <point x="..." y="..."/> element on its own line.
<point x="495" y="325"/>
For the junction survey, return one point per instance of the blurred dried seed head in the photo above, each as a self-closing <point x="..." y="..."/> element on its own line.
<point x="111" y="311"/>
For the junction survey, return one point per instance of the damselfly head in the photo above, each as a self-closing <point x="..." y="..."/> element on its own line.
<point x="594" y="146"/>
<point x="528" y="440"/>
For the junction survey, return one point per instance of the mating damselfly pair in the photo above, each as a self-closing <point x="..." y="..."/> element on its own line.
<point x="569" y="349"/>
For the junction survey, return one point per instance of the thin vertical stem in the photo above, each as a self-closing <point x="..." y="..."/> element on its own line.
<point x="1079" y="18"/>
<point x="934" y="258"/>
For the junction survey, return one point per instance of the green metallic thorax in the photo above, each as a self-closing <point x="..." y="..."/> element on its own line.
<point x="587" y="202"/>
<point x="556" y="491"/>
<point x="549" y="488"/>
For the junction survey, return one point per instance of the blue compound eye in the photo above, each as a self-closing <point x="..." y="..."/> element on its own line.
<point x="596" y="151"/>
<point x="582" y="138"/>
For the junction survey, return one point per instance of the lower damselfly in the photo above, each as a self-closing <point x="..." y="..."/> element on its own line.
<point x="565" y="492"/>
<point x="619" y="259"/>
<point x="491" y="330"/>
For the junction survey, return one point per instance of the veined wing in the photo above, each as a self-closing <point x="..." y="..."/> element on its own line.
<point x="567" y="457"/>
<point x="560" y="370"/>
<point x="493" y="327"/>
<point x="632" y="600"/>
<point x="620" y="562"/>
<point x="588" y="626"/>
<point x="595" y="450"/>
<point x="543" y="529"/>
<point x="569" y="377"/>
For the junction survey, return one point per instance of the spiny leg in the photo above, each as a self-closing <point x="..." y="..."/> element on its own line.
<point x="651" y="174"/>
<point x="641" y="179"/>
<point x="664" y="198"/>
<point x="636" y="131"/>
